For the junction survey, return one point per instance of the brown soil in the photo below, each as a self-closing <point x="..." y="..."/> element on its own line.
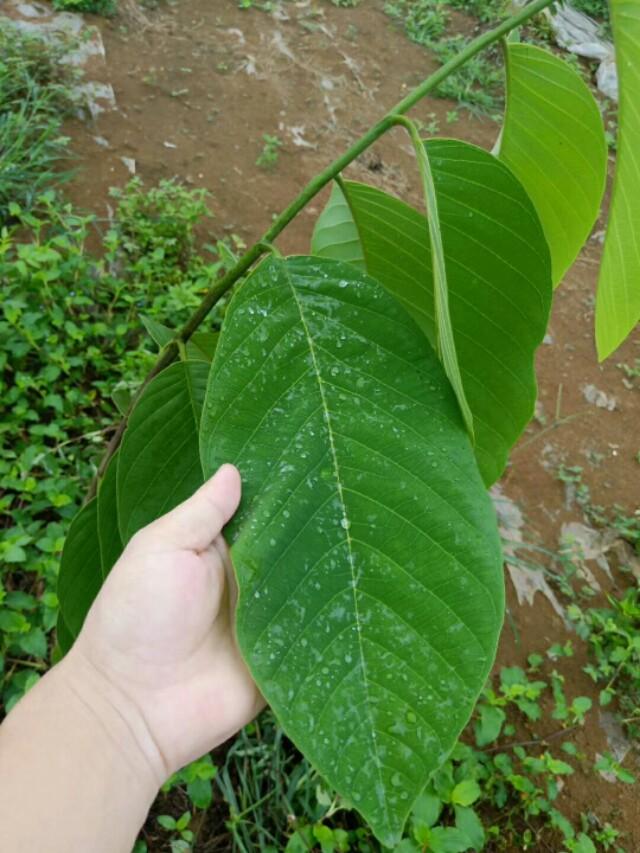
<point x="198" y="88"/>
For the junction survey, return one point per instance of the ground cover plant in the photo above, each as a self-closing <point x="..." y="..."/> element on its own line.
<point x="73" y="349"/>
<point x="365" y="372"/>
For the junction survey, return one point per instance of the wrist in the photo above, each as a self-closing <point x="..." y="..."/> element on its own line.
<point x="114" y="717"/>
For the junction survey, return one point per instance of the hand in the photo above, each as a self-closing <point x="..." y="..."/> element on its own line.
<point x="159" y="637"/>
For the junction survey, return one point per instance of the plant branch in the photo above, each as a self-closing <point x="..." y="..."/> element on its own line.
<point x="169" y="353"/>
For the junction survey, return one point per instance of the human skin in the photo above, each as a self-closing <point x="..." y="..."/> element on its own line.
<point x="153" y="681"/>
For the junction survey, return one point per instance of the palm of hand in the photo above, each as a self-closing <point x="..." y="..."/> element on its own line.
<point x="162" y="630"/>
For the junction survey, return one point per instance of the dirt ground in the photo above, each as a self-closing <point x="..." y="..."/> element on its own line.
<point x="200" y="82"/>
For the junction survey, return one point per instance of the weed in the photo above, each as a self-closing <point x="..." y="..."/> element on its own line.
<point x="596" y="8"/>
<point x="486" y="11"/>
<point x="268" y="157"/>
<point x="97" y="7"/>
<point x="35" y="95"/>
<point x="424" y="21"/>
<point x="631" y="372"/>
<point x="70" y="331"/>
<point x="613" y="636"/>
<point x="182" y="835"/>
<point x="477" y="85"/>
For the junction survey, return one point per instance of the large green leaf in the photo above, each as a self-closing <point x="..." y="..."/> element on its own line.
<point x="159" y="464"/>
<point x="618" y="302"/>
<point x="499" y="282"/>
<point x="365" y="546"/>
<point x="553" y="141"/>
<point x="108" y="532"/>
<point x="80" y="575"/>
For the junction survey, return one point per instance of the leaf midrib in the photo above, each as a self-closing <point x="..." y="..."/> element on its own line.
<point x="345" y="523"/>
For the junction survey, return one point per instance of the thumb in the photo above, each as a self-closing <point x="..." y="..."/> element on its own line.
<point x="194" y="524"/>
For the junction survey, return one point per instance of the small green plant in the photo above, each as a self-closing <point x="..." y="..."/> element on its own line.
<point x="36" y="94"/>
<point x="607" y="764"/>
<point x="268" y="157"/>
<point x="596" y="8"/>
<point x="153" y="235"/>
<point x="182" y="835"/>
<point x="196" y="778"/>
<point x="631" y="372"/>
<point x="96" y="7"/>
<point x="479" y="84"/>
<point x="613" y="637"/>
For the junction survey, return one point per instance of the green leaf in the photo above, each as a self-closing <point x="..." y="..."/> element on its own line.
<point x="34" y="643"/>
<point x="583" y="844"/>
<point x="489" y="724"/>
<point x="426" y="809"/>
<point x="553" y="141"/>
<point x="80" y="575"/>
<point x="200" y="347"/>
<point x="122" y="398"/>
<point x="468" y="822"/>
<point x="200" y="792"/>
<point x="499" y="281"/>
<point x="335" y="234"/>
<point x="108" y="533"/>
<point x="618" y="301"/>
<point x="158" y="332"/>
<point x="159" y="465"/>
<point x="447" y="839"/>
<point x="465" y="793"/>
<point x="365" y="547"/>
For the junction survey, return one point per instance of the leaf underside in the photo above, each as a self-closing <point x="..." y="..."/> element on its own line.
<point x="618" y="300"/>
<point x="159" y="465"/>
<point x="498" y="273"/>
<point x="445" y="343"/>
<point x="553" y="141"/>
<point x="366" y="550"/>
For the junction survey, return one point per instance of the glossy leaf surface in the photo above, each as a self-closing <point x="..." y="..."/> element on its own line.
<point x="553" y="141"/>
<point x="618" y="301"/>
<point x="80" y="575"/>
<point x="159" y="464"/>
<point x="365" y="546"/>
<point x="499" y="282"/>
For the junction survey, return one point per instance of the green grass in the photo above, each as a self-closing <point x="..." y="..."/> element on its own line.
<point x="35" y="97"/>
<point x="478" y="86"/>
<point x="596" y="8"/>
